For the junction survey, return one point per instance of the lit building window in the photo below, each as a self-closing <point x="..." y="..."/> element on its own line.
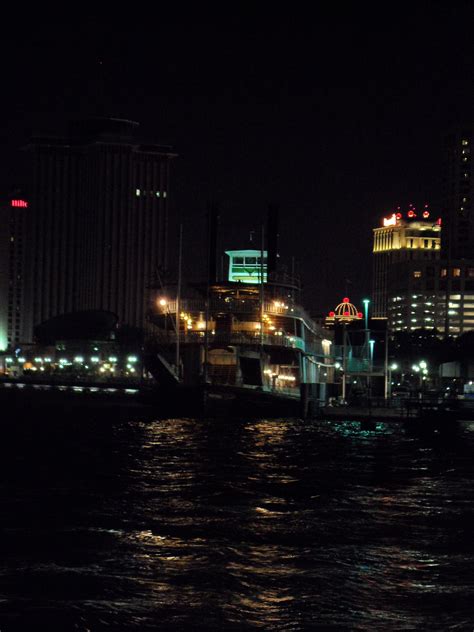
<point x="137" y="192"/>
<point x="456" y="273"/>
<point x="157" y="194"/>
<point x="443" y="272"/>
<point x="464" y="142"/>
<point x="165" y="194"/>
<point x="417" y="274"/>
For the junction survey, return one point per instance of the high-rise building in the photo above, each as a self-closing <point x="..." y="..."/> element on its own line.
<point x="458" y="215"/>
<point x="405" y="248"/>
<point x="412" y="286"/>
<point x="13" y="221"/>
<point x="99" y="213"/>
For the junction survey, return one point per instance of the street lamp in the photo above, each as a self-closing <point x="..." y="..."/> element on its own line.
<point x="392" y="367"/>
<point x="372" y="344"/>
<point x="366" y="302"/>
<point x="422" y="369"/>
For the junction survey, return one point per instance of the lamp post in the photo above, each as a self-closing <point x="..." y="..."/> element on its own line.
<point x="366" y="302"/>
<point x="422" y="369"/>
<point x="424" y="377"/>
<point x="372" y="344"/>
<point x="371" y="364"/>
<point x="344" y="360"/>
<point x="163" y="303"/>
<point x="392" y="367"/>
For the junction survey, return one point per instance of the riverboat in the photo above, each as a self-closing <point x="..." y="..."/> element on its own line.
<point x="243" y="345"/>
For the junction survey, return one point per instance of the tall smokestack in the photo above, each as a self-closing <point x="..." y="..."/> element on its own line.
<point x="212" y="225"/>
<point x="272" y="238"/>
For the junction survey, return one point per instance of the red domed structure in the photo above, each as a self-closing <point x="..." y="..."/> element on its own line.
<point x="344" y="312"/>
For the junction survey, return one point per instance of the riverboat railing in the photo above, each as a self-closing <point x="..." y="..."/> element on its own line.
<point x="238" y="306"/>
<point x="224" y="338"/>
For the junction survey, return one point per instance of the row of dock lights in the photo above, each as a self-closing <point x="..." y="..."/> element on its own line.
<point x="40" y="363"/>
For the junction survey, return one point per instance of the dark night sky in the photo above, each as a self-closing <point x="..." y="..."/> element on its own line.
<point x="336" y="118"/>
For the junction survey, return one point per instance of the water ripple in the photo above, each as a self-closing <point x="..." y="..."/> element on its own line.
<point x="188" y="524"/>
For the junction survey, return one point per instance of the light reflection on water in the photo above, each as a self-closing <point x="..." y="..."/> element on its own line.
<point x="215" y="525"/>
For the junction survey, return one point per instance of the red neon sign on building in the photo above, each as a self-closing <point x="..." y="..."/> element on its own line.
<point x="19" y="203"/>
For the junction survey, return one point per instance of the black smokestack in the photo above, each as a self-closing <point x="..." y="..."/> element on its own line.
<point x="212" y="226"/>
<point x="272" y="238"/>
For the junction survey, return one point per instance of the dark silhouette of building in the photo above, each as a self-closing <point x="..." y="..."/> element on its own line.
<point x="98" y="231"/>
<point x="458" y="216"/>
<point x="13" y="222"/>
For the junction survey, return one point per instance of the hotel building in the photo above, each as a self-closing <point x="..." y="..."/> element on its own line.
<point x="99" y="213"/>
<point x="412" y="286"/>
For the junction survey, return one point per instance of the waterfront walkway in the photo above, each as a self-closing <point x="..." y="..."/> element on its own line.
<point x="385" y="410"/>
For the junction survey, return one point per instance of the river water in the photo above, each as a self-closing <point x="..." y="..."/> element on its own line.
<point x="222" y="525"/>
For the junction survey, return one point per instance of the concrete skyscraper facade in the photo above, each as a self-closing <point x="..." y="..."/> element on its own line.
<point x="99" y="214"/>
